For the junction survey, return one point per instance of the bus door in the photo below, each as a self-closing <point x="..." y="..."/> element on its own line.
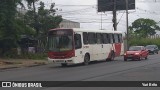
<point x="78" y="48"/>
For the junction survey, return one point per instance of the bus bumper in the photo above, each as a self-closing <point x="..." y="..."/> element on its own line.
<point x="59" y="61"/>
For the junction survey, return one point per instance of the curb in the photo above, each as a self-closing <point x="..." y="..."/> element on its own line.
<point x="21" y="66"/>
<point x="8" y="68"/>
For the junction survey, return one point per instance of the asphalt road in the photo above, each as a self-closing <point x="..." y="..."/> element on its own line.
<point x="117" y="70"/>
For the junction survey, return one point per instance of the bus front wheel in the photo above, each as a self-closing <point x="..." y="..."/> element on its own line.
<point x="86" y="59"/>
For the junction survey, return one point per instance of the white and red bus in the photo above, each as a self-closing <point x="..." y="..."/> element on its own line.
<point x="72" y="46"/>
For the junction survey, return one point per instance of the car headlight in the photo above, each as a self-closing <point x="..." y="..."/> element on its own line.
<point x="136" y="53"/>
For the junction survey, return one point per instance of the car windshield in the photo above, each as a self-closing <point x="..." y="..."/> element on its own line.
<point x="134" y="48"/>
<point x="150" y="46"/>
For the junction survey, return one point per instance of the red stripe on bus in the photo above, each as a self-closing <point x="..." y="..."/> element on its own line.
<point x="117" y="49"/>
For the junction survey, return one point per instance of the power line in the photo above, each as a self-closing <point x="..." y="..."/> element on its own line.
<point x="151" y="12"/>
<point x="95" y="22"/>
<point x="150" y="1"/>
<point x="120" y="18"/>
<point x="73" y="5"/>
<point x="86" y="11"/>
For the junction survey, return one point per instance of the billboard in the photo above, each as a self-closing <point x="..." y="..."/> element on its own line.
<point x="108" y="5"/>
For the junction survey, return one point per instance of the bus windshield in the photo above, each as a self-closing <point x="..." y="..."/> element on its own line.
<point x="60" y="40"/>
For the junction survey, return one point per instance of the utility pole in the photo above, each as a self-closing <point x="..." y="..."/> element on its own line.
<point x="127" y="24"/>
<point x="114" y="16"/>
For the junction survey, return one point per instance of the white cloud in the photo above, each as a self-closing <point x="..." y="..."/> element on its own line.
<point x="144" y="9"/>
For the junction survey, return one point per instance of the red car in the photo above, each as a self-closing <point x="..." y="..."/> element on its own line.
<point x="136" y="52"/>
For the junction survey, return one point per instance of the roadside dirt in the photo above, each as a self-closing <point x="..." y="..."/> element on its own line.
<point x="16" y="63"/>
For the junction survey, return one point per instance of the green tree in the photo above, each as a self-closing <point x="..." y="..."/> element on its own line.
<point x="144" y="27"/>
<point x="43" y="19"/>
<point x="31" y="5"/>
<point x="46" y="19"/>
<point x="22" y="27"/>
<point x="14" y="24"/>
<point x="8" y="30"/>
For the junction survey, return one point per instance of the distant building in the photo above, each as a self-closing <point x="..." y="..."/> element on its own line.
<point x="69" y="24"/>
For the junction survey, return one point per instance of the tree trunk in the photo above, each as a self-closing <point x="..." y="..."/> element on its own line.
<point x="35" y="19"/>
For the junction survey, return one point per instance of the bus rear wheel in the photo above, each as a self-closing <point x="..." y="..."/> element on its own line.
<point x="112" y="56"/>
<point x="86" y="59"/>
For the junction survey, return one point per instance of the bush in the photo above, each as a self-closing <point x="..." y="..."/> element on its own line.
<point x="35" y="56"/>
<point x="144" y="41"/>
<point x="13" y="54"/>
<point x="38" y="56"/>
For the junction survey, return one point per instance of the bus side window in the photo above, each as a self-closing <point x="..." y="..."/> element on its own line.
<point x="105" y="38"/>
<point x="91" y="38"/>
<point x="116" y="38"/>
<point x="77" y="40"/>
<point x="108" y="38"/>
<point x="99" y="38"/>
<point x="113" y="38"/>
<point x="120" y="38"/>
<point x="85" y="37"/>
